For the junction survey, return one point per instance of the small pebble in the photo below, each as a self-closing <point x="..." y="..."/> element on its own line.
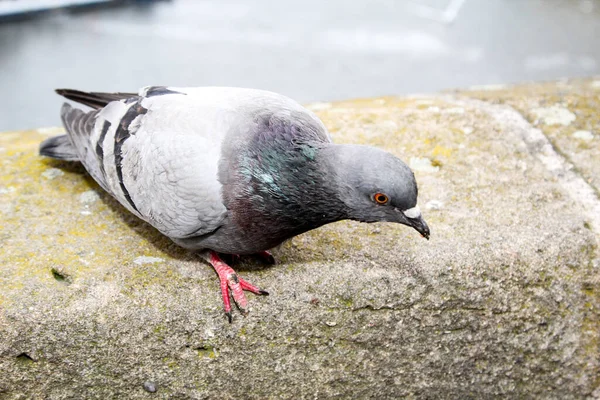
<point x="330" y="323"/>
<point x="89" y="196"/>
<point x="583" y="135"/>
<point x="434" y="205"/>
<point x="554" y="115"/>
<point x="209" y="333"/>
<point x="314" y="367"/>
<point x="5" y="190"/>
<point x="147" y="260"/>
<point x="150" y="386"/>
<point x="52" y="173"/>
<point x="423" y="164"/>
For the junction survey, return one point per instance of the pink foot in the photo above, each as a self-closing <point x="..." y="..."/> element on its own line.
<point x="232" y="284"/>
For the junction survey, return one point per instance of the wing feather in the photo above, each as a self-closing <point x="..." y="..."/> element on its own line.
<point x="80" y="125"/>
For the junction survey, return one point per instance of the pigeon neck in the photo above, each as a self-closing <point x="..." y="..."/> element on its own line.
<point x="343" y="164"/>
<point x="280" y="194"/>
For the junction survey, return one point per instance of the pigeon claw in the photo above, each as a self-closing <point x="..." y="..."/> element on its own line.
<point x="232" y="285"/>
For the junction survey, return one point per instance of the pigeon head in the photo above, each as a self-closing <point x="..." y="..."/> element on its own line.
<point x="376" y="186"/>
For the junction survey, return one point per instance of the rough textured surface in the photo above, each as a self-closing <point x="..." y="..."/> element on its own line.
<point x="502" y="301"/>
<point x="569" y="114"/>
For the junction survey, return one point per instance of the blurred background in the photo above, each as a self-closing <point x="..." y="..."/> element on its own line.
<point x="310" y="50"/>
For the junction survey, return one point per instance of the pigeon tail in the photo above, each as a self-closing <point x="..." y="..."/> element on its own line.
<point x="96" y="100"/>
<point x="60" y="148"/>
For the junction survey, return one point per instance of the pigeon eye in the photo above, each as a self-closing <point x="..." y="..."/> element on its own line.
<point x="380" y="198"/>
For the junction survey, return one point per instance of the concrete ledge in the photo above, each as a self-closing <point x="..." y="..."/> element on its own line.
<point x="503" y="301"/>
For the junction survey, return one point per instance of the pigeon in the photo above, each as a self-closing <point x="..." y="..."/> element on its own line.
<point x="229" y="171"/>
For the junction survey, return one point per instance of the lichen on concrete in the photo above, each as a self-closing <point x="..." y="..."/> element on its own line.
<point x="502" y="301"/>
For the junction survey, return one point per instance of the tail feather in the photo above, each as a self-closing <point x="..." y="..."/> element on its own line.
<point x="79" y="125"/>
<point x="59" y="147"/>
<point x="95" y="100"/>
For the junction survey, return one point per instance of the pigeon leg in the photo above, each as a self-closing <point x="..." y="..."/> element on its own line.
<point x="232" y="284"/>
<point x="266" y="257"/>
<point x="231" y="259"/>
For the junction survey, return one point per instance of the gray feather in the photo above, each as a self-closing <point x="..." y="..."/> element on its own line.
<point x="79" y="125"/>
<point x="94" y="100"/>
<point x="59" y="147"/>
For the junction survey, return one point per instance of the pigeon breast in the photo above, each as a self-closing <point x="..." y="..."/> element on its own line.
<point x="271" y="179"/>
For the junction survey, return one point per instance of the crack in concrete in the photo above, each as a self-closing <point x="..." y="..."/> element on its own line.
<point x="393" y="307"/>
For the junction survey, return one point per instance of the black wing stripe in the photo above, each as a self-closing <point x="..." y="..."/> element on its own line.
<point x="99" y="148"/>
<point x="121" y="135"/>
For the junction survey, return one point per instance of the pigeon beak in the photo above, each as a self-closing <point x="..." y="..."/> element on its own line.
<point x="420" y="226"/>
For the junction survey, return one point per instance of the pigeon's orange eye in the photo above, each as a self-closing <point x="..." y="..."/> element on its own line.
<point x="380" y="198"/>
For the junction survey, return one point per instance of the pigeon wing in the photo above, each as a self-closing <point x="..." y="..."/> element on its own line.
<point x="157" y="158"/>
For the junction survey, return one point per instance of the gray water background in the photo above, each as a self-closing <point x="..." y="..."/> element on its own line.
<point x="310" y="50"/>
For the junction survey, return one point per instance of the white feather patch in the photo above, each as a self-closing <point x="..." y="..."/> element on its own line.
<point x="143" y="91"/>
<point x="414" y="212"/>
<point x="135" y="124"/>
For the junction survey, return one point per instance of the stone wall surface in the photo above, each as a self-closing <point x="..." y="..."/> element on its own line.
<point x="503" y="300"/>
